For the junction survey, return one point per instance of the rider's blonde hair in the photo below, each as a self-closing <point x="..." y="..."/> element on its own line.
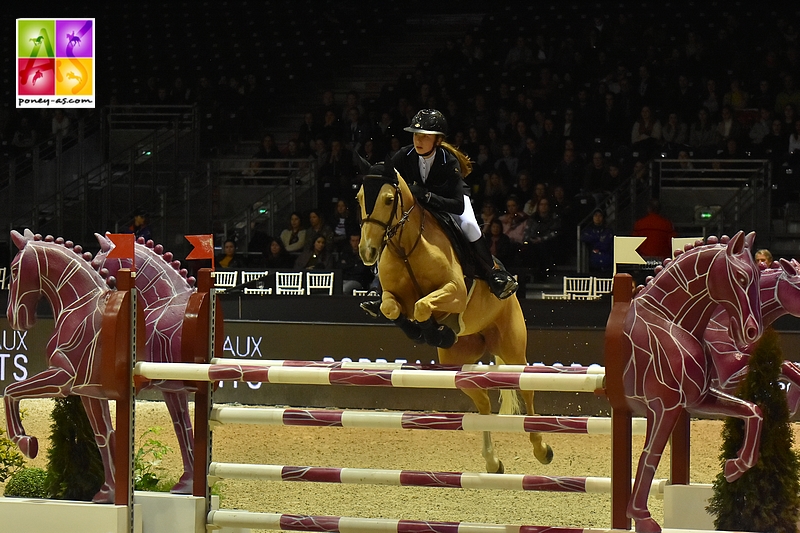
<point x="463" y="159"/>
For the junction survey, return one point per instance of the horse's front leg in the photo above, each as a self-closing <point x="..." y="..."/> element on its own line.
<point x="390" y="305"/>
<point x="719" y="403"/>
<point x="450" y="298"/>
<point x="100" y="419"/>
<point x="51" y="383"/>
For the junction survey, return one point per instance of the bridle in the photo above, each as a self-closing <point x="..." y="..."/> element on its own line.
<point x="391" y="230"/>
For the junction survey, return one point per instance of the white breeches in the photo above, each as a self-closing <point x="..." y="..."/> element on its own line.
<point x="468" y="223"/>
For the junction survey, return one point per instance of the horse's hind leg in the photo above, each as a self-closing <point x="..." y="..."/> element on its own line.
<point x="50" y="383"/>
<point x="100" y="420"/>
<point x="178" y="408"/>
<point x="468" y="350"/>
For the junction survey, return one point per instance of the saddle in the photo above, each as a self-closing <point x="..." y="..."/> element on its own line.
<point x="461" y="246"/>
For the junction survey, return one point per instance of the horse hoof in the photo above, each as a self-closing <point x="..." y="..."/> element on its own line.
<point x="732" y="471"/>
<point x="29" y="446"/>
<point x="647" y="525"/>
<point x="104" y="495"/>
<point x="184" y="485"/>
<point x="548" y="456"/>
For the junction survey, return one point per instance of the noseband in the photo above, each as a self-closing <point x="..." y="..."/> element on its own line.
<point x="390" y="230"/>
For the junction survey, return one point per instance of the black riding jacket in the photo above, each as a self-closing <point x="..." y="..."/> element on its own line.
<point x="445" y="184"/>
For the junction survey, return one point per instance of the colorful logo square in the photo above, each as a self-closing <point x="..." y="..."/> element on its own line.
<point x="55" y="63"/>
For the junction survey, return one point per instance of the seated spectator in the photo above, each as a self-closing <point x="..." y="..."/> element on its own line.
<point x="495" y="190"/>
<point x="487" y="215"/>
<point x="763" y="256"/>
<point x="599" y="239"/>
<point x="508" y="163"/>
<point x="569" y="173"/>
<point x="514" y="221"/>
<point x="276" y="256"/>
<point x="760" y="129"/>
<point x="658" y="231"/>
<point x="140" y="227"/>
<point x="60" y="123"/>
<point x="703" y="136"/>
<point x="737" y="97"/>
<point x="674" y="134"/>
<point x="294" y="237"/>
<point x="539" y="192"/>
<point x="355" y="274"/>
<point x="267" y="151"/>
<point x="336" y="176"/>
<point x="646" y="134"/>
<point x="563" y="207"/>
<point x="229" y="259"/>
<point x="308" y="131"/>
<point x="728" y="127"/>
<point x="316" y="257"/>
<point x="523" y="188"/>
<point x="500" y="245"/>
<point x="541" y="248"/>
<point x="317" y="227"/>
<point x="345" y="224"/>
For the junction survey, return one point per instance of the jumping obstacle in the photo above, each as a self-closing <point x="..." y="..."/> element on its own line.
<point x="581" y="379"/>
<point x="278" y="416"/>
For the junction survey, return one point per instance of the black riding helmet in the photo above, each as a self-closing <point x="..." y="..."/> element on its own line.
<point x="428" y="121"/>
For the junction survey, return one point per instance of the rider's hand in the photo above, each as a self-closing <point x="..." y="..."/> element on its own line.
<point x="418" y="191"/>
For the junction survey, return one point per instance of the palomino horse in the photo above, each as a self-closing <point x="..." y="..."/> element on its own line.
<point x="164" y="290"/>
<point x="54" y="269"/>
<point x="780" y="295"/>
<point x="423" y="287"/>
<point x="668" y="369"/>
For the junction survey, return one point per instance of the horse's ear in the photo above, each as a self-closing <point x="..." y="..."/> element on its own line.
<point x="388" y="170"/>
<point x="788" y="267"/>
<point x="29" y="234"/>
<point x="736" y="244"/>
<point x="363" y="165"/>
<point x="19" y="240"/>
<point x="103" y="241"/>
<point x="750" y="240"/>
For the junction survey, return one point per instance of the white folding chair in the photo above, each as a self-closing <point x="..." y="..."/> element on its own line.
<point x="248" y="276"/>
<point x="602" y="286"/>
<point x="289" y="283"/>
<point x="3" y="275"/>
<point x="224" y="279"/>
<point x="319" y="280"/>
<point x="579" y="288"/>
<point x="360" y="292"/>
<point x="556" y="296"/>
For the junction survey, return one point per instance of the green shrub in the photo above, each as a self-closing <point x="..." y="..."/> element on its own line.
<point x="74" y="466"/>
<point x="147" y="462"/>
<point x="766" y="497"/>
<point x="27" y="483"/>
<point x="11" y="460"/>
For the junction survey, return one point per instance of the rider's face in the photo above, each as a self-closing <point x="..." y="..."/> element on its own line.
<point x="424" y="142"/>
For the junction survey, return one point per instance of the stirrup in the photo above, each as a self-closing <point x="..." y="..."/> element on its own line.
<point x="501" y="283"/>
<point x="373" y="308"/>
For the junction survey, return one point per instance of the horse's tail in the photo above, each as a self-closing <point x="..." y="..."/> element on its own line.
<point x="509" y="399"/>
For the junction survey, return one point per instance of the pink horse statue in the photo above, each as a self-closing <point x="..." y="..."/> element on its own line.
<point x="58" y="271"/>
<point x="164" y="289"/>
<point x="779" y="285"/>
<point x="668" y="370"/>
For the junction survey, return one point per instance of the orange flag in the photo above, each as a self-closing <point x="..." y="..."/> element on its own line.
<point x="123" y="247"/>
<point x="203" y="247"/>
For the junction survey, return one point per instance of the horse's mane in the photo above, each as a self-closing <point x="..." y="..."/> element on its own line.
<point x="158" y="251"/>
<point x="688" y="248"/>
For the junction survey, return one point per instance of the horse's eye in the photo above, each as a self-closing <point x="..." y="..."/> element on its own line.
<point x="388" y="200"/>
<point x="14" y="270"/>
<point x="742" y="280"/>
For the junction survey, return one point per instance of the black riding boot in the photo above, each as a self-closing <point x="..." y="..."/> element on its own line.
<point x="501" y="283"/>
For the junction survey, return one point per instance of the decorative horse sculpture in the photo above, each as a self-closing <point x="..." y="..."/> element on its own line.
<point x="56" y="270"/>
<point x="424" y="288"/>
<point x="164" y="289"/>
<point x="668" y="369"/>
<point x="779" y="286"/>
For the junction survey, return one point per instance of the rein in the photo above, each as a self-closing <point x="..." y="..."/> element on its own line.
<point x="390" y="231"/>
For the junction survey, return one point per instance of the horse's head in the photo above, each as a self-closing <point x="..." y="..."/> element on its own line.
<point x="733" y="281"/>
<point x="788" y="285"/>
<point x="383" y="199"/>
